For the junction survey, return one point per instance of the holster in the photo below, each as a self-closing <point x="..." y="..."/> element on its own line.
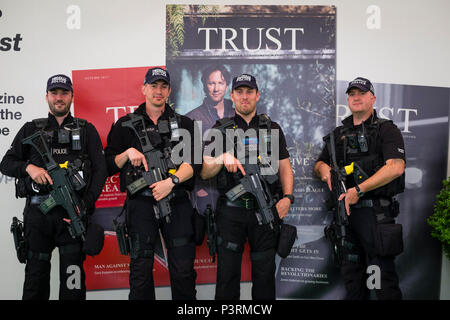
<point x="331" y="235"/>
<point x="123" y="239"/>
<point x="199" y="223"/>
<point x="17" y="230"/>
<point x="211" y="231"/>
<point x="288" y="234"/>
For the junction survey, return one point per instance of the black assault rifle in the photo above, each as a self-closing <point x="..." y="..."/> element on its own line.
<point x="335" y="232"/>
<point x="159" y="164"/>
<point x="253" y="181"/>
<point x="66" y="181"/>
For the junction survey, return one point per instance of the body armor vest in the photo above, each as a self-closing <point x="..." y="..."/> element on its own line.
<point x="66" y="144"/>
<point x="363" y="147"/>
<point x="161" y="138"/>
<point x="225" y="180"/>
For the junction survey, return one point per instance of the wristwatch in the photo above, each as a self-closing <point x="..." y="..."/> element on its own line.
<point x="290" y="197"/>
<point x="359" y="192"/>
<point x="175" y="179"/>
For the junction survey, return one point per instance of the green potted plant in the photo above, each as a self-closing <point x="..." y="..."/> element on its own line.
<point x="440" y="220"/>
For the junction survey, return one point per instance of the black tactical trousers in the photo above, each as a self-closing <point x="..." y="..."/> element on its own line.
<point x="42" y="234"/>
<point x="143" y="228"/>
<point x="234" y="226"/>
<point x="360" y="254"/>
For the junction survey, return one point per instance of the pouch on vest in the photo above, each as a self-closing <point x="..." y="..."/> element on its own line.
<point x="21" y="188"/>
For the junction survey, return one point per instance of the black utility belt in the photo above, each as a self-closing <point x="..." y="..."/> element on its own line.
<point x="38" y="199"/>
<point x="370" y="203"/>
<point x="242" y="202"/>
<point x="179" y="193"/>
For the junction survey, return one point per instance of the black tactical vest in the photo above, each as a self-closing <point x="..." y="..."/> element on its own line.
<point x="362" y="146"/>
<point x="68" y="143"/>
<point x="226" y="180"/>
<point x="162" y="137"/>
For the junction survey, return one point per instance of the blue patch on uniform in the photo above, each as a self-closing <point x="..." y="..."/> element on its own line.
<point x="248" y="141"/>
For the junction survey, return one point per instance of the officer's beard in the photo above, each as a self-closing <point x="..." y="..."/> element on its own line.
<point x="246" y="110"/>
<point x="59" y="112"/>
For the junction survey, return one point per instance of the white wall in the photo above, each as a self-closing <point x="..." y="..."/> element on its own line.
<point x="410" y="47"/>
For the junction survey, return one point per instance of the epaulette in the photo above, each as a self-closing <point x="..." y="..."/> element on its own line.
<point x="40" y="123"/>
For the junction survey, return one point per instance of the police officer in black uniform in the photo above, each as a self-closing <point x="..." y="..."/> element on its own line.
<point x="69" y="139"/>
<point x="124" y="154"/>
<point x="374" y="149"/>
<point x="237" y="220"/>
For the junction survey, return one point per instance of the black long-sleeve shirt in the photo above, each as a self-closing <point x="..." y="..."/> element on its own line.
<point x="20" y="155"/>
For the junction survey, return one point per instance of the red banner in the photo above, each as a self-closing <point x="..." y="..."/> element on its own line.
<point x="102" y="97"/>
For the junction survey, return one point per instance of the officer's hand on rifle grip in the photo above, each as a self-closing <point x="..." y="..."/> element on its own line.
<point x="38" y="174"/>
<point x="162" y="188"/>
<point x="351" y="197"/>
<point x="136" y="158"/>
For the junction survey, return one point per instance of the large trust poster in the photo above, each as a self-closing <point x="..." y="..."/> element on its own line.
<point x="291" y="50"/>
